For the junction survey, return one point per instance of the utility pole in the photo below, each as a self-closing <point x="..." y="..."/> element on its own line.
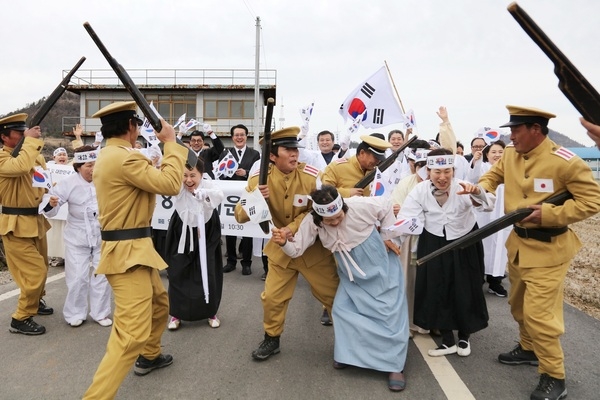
<point x="257" y="105"/>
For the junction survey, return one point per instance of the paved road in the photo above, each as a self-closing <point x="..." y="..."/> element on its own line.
<point x="216" y="363"/>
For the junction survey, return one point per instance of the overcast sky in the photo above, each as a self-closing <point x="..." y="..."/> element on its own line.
<point x="469" y="55"/>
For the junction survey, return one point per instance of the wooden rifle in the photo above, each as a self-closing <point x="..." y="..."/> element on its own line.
<point x="50" y="101"/>
<point x="493" y="227"/>
<point x="265" y="156"/>
<point x="572" y="83"/>
<point x="385" y="164"/>
<point x="135" y="93"/>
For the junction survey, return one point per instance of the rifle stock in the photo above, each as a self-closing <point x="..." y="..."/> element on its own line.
<point x="572" y="83"/>
<point x="135" y="93"/>
<point x="266" y="150"/>
<point x="385" y="164"/>
<point x="50" y="101"/>
<point x="493" y="227"/>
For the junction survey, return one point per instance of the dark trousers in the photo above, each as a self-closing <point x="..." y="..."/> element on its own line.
<point x="245" y="249"/>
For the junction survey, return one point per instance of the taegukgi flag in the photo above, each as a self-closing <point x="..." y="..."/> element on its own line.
<point x="375" y="99"/>
<point x="226" y="167"/>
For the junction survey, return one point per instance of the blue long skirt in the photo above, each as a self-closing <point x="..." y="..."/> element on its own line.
<point x="370" y="315"/>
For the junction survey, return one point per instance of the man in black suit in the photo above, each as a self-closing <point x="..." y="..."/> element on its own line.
<point x="245" y="157"/>
<point x="208" y="155"/>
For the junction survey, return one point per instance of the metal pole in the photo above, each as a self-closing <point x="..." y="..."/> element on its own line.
<point x="257" y="106"/>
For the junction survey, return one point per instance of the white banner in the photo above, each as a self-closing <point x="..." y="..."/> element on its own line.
<point x="229" y="226"/>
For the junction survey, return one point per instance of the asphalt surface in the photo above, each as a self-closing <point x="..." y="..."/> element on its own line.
<point x="216" y="363"/>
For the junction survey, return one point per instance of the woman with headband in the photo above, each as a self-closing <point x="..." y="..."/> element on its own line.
<point x="369" y="309"/>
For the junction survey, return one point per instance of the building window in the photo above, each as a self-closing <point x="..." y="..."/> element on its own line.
<point x="228" y="109"/>
<point x="171" y="107"/>
<point x="93" y="106"/>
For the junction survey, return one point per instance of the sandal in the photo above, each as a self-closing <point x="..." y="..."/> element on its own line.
<point x="396" y="382"/>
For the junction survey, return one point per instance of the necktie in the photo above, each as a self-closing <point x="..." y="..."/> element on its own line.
<point x="240" y="153"/>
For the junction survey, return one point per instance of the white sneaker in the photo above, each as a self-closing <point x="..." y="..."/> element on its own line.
<point x="173" y="324"/>
<point x="214" y="322"/>
<point x="105" y="322"/>
<point x="443" y="350"/>
<point x="464" y="348"/>
<point x="76" y="323"/>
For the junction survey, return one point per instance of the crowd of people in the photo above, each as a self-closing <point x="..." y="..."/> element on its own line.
<point x="356" y="249"/>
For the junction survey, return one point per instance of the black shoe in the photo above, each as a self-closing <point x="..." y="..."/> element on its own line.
<point x="549" y="388"/>
<point x="43" y="309"/>
<point x="229" y="268"/>
<point x="325" y="320"/>
<point x="263" y="277"/>
<point x="267" y="348"/>
<point x="143" y="366"/>
<point x="246" y="270"/>
<point x="518" y="356"/>
<point x="498" y="290"/>
<point x="26" y="327"/>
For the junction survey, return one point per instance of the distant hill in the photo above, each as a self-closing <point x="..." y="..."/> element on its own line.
<point x="556" y="137"/>
<point x="66" y="106"/>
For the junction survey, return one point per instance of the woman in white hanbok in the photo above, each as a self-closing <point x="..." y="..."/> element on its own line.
<point x="369" y="310"/>
<point x="495" y="253"/>
<point x="85" y="290"/>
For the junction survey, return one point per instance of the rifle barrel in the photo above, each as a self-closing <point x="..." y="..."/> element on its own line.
<point x="572" y="83"/>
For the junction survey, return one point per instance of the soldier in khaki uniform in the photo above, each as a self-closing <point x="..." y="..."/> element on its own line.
<point x="287" y="189"/>
<point x="343" y="174"/>
<point x="541" y="246"/>
<point x="22" y="227"/>
<point x="126" y="185"/>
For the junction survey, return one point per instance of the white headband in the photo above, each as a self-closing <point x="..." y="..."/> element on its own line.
<point x="59" y="151"/>
<point x="86" y="156"/>
<point x="441" y="161"/>
<point x="328" y="210"/>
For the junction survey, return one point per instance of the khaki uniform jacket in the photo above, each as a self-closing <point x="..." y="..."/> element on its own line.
<point x="529" y="179"/>
<point x="16" y="190"/>
<point x="343" y="174"/>
<point x="126" y="187"/>
<point x="288" y="204"/>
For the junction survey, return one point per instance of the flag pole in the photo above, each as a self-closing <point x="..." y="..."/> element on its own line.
<point x="394" y="86"/>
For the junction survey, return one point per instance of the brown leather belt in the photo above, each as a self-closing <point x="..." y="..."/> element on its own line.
<point x="20" y="210"/>
<point x="126" y="234"/>
<point x="541" y="234"/>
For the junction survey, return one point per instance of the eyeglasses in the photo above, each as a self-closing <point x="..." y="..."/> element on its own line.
<point x="477" y="147"/>
<point x="196" y="141"/>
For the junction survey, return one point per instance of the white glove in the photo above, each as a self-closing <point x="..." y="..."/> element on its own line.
<point x="99" y="137"/>
<point x="344" y="140"/>
<point x="207" y="128"/>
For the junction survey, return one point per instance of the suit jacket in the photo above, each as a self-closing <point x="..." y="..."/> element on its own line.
<point x="211" y="155"/>
<point x="249" y="158"/>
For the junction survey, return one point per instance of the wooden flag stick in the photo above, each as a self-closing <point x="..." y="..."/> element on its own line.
<point x="394" y="85"/>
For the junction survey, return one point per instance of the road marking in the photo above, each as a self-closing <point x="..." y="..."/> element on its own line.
<point x="16" y="292"/>
<point x="452" y="386"/>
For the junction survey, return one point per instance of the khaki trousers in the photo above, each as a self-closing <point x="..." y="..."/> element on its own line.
<point x="536" y="302"/>
<point x="27" y="260"/>
<point x="280" y="285"/>
<point x="140" y="318"/>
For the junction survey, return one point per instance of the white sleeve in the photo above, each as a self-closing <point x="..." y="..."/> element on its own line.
<point x="304" y="238"/>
